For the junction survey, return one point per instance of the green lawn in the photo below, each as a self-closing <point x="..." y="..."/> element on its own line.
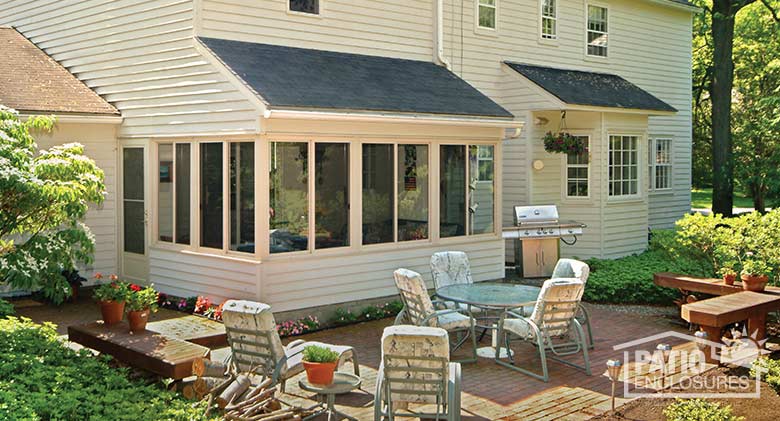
<point x="702" y="199"/>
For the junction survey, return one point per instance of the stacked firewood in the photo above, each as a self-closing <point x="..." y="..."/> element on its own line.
<point x="236" y="395"/>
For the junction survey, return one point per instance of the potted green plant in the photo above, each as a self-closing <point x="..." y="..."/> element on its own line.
<point x="111" y="297"/>
<point x="319" y="363"/>
<point x="729" y="274"/>
<point x="754" y="274"/>
<point x="140" y="303"/>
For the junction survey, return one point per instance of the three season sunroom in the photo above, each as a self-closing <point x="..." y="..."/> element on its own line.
<point x="259" y="198"/>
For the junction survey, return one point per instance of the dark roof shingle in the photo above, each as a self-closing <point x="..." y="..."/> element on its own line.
<point x="31" y="81"/>
<point x="315" y="79"/>
<point x="577" y="87"/>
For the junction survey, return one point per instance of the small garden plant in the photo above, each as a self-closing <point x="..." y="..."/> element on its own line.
<point x="699" y="410"/>
<point x="768" y="370"/>
<point x="115" y="290"/>
<point x="319" y="354"/>
<point x="6" y="309"/>
<point x="141" y="298"/>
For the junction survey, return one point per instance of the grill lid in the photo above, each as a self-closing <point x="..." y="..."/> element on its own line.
<point x="535" y="214"/>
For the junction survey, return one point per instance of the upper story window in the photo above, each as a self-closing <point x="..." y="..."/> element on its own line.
<point x="311" y="7"/>
<point x="623" y="166"/>
<point x="577" y="172"/>
<point x="487" y="12"/>
<point x="598" y="30"/>
<point x="549" y="19"/>
<point x="660" y="163"/>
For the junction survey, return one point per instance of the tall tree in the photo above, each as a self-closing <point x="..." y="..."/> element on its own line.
<point x="43" y="196"/>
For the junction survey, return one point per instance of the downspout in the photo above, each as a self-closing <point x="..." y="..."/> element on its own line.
<point x="439" y="36"/>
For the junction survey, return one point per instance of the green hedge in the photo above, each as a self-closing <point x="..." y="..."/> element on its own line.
<point x="629" y="280"/>
<point x="6" y="309"/>
<point x="699" y="410"/>
<point x="41" y="379"/>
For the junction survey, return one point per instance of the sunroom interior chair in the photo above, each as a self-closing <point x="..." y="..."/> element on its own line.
<point x="552" y="327"/>
<point x="451" y="268"/>
<point x="419" y="310"/>
<point x="256" y="347"/>
<point x="416" y="370"/>
<point x="571" y="268"/>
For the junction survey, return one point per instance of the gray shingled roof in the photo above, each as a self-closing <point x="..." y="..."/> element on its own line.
<point x="288" y="77"/>
<point x="576" y="87"/>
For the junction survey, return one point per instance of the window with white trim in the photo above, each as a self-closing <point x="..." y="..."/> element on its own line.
<point x="173" y="193"/>
<point x="597" y="31"/>
<point x="487" y="12"/>
<point x="623" y="165"/>
<point x="549" y="19"/>
<point x="577" y="171"/>
<point x="311" y="7"/>
<point x="660" y="163"/>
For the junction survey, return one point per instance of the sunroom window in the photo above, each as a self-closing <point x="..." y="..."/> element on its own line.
<point x="173" y="193"/>
<point x="549" y="19"/>
<point x="623" y="166"/>
<point x="242" y="197"/>
<point x="487" y="13"/>
<point x="577" y="172"/>
<point x="452" y="196"/>
<point x="598" y="31"/>
<point x="331" y="192"/>
<point x="305" y="6"/>
<point x="289" y="195"/>
<point x="211" y="195"/>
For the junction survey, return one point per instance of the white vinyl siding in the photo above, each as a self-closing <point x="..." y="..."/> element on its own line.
<point x="597" y="32"/>
<point x="623" y="166"/>
<point x="549" y="19"/>
<point x="660" y="163"/>
<point x="487" y="14"/>
<point x="578" y="172"/>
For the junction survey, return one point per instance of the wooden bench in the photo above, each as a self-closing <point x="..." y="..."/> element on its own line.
<point x="711" y="286"/>
<point x="148" y="350"/>
<point x="715" y="313"/>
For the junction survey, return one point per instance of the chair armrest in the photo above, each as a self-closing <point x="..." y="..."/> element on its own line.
<point x="295" y="343"/>
<point x="516" y="315"/>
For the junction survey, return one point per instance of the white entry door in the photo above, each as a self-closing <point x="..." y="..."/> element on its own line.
<point x="135" y="214"/>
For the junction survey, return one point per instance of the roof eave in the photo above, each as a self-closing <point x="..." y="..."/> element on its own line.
<point x="81" y="118"/>
<point x="621" y="110"/>
<point x="674" y="5"/>
<point x="392" y="117"/>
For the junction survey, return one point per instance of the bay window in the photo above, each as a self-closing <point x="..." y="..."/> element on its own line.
<point x="623" y="166"/>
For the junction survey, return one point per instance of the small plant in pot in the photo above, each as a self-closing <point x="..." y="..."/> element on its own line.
<point x="729" y="275"/>
<point x="111" y="297"/>
<point x="319" y="363"/>
<point x="754" y="274"/>
<point x="140" y="303"/>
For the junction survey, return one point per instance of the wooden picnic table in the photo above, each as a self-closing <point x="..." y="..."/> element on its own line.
<point x="147" y="350"/>
<point x="711" y="286"/>
<point x="716" y="313"/>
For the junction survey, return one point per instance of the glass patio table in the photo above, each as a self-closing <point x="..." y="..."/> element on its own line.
<point x="490" y="296"/>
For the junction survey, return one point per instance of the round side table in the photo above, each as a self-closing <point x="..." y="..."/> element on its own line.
<point x="342" y="383"/>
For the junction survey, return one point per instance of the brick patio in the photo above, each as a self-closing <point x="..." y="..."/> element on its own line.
<point x="490" y="392"/>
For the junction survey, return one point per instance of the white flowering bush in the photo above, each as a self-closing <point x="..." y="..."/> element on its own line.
<point x="44" y="194"/>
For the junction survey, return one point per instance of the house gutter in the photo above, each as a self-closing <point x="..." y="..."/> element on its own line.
<point x="439" y="36"/>
<point x="393" y="118"/>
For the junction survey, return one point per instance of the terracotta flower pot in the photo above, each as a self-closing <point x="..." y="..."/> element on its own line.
<point x="138" y="320"/>
<point x="729" y="278"/>
<point x="112" y="311"/>
<point x="754" y="283"/>
<point x="319" y="373"/>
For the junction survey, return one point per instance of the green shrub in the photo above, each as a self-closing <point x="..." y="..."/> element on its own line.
<point x="41" y="379"/>
<point x="769" y="371"/>
<point x="6" y="309"/>
<point x="629" y="280"/>
<point x="699" y="410"/>
<point x="319" y="354"/>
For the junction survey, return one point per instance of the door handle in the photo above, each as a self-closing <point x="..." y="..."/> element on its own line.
<point x="537" y="258"/>
<point x="146" y="217"/>
<point x="543" y="262"/>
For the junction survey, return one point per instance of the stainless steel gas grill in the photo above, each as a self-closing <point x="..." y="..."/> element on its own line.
<point x="537" y="231"/>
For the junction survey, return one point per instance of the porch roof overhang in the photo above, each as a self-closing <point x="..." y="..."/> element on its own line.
<point x="299" y="83"/>
<point x="578" y="90"/>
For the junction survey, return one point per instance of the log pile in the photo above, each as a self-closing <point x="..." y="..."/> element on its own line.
<point x="236" y="395"/>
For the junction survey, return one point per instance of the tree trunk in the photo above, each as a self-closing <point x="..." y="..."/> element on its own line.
<point x="720" y="91"/>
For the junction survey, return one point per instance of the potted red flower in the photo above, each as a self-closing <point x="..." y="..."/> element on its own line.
<point x="111" y="297"/>
<point x="140" y="303"/>
<point x="320" y="364"/>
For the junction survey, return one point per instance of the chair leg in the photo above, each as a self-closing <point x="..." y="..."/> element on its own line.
<point x="453" y="393"/>
<point x="586" y="319"/>
<point x="355" y="364"/>
<point x="540" y="345"/>
<point x="399" y="319"/>
<point x="584" y="342"/>
<point x="282" y="383"/>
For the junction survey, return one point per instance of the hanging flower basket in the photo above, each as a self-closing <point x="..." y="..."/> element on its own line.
<point x="564" y="143"/>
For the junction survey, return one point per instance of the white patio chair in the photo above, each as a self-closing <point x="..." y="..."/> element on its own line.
<point x="552" y="327"/>
<point x="415" y="369"/>
<point x="419" y="310"/>
<point x="452" y="268"/>
<point x="256" y="347"/>
<point x="571" y="268"/>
